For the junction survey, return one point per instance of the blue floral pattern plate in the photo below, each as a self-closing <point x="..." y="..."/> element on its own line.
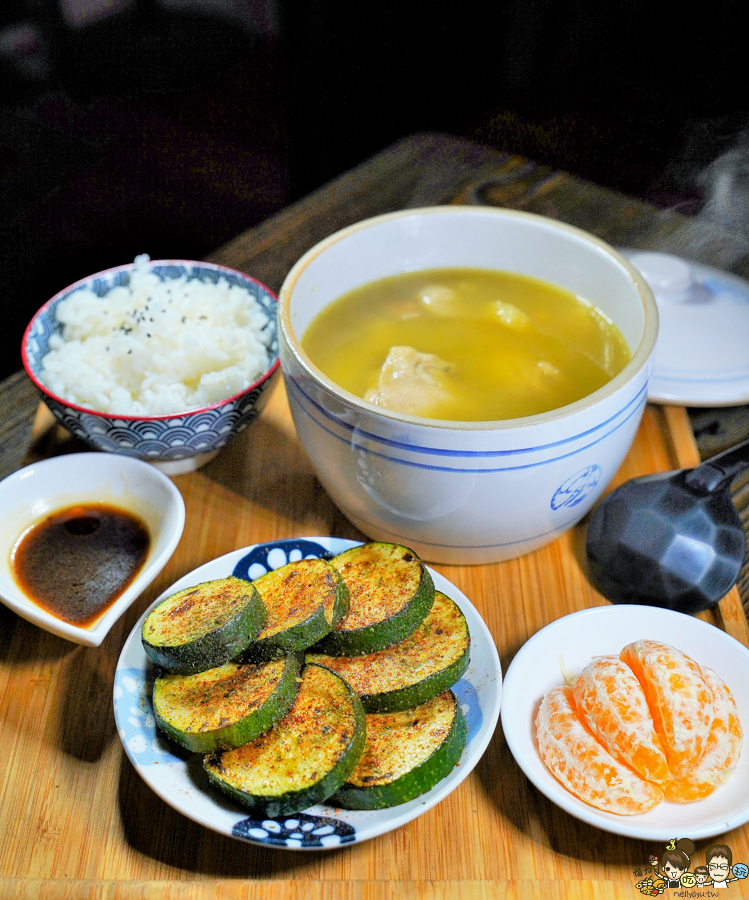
<point x="177" y="776"/>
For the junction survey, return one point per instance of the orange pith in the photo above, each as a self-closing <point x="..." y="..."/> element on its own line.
<point x="636" y="729"/>
<point x="612" y="704"/>
<point x="679" y="698"/>
<point x="583" y="765"/>
<point x="722" y="748"/>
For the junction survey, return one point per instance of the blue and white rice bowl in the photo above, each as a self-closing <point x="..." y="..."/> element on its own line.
<point x="176" y="442"/>
<point x="465" y="492"/>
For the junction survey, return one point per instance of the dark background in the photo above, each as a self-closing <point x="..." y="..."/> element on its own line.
<point x="169" y="130"/>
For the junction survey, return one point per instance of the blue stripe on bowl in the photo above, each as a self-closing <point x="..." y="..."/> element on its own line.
<point x="293" y="386"/>
<point x="642" y="397"/>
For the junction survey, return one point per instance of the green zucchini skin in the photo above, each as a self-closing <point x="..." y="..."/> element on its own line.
<point x="206" y="625"/>
<point x="414" y="782"/>
<point x="370" y="624"/>
<point x="410" y="673"/>
<point x="326" y="716"/>
<point x="310" y="584"/>
<point x="259" y="697"/>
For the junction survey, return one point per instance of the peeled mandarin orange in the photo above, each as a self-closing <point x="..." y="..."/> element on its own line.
<point x="612" y="704"/>
<point x="679" y="698"/>
<point x="722" y="748"/>
<point x="574" y="756"/>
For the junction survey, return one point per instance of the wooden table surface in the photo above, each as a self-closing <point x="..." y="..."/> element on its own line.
<point x="76" y="820"/>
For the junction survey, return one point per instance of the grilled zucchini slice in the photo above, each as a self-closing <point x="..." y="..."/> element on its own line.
<point x="428" y="662"/>
<point x="405" y="755"/>
<point x="204" y="626"/>
<point x="304" y="600"/>
<point x="304" y="758"/>
<point x="391" y="592"/>
<point x="227" y="706"/>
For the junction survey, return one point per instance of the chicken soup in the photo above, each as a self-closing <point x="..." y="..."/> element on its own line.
<point x="466" y="344"/>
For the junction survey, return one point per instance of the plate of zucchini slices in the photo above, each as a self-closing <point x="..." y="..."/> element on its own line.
<point x="308" y="693"/>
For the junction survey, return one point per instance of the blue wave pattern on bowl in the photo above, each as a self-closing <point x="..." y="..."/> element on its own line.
<point x="171" y="437"/>
<point x="164" y="440"/>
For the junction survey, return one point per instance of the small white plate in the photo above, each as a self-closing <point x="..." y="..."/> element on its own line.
<point x="178" y="778"/>
<point x="605" y="630"/>
<point x="700" y="356"/>
<point x="33" y="492"/>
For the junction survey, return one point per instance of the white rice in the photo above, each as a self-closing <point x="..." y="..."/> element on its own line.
<point x="157" y="347"/>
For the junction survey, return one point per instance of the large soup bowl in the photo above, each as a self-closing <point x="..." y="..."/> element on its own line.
<point x="465" y="492"/>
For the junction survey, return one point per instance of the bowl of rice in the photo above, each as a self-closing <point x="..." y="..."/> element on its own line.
<point x="164" y="360"/>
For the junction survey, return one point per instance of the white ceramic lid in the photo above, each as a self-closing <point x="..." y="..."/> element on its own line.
<point x="702" y="352"/>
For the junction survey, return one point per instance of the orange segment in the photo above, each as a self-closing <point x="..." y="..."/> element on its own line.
<point x="584" y="766"/>
<point x="722" y="748"/>
<point x="612" y="704"/>
<point x="679" y="698"/>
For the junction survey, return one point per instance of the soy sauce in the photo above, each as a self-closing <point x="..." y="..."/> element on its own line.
<point x="77" y="561"/>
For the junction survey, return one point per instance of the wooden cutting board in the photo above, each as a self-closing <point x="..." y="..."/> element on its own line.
<point x="76" y="820"/>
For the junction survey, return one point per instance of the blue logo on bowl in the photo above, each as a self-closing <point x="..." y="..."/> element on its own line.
<point x="576" y="488"/>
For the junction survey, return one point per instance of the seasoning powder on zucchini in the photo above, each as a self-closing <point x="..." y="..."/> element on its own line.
<point x="391" y="592"/>
<point x="406" y="754"/>
<point x="426" y="663"/>
<point x="204" y="626"/>
<point x="227" y="706"/>
<point x="304" y="758"/>
<point x="304" y="601"/>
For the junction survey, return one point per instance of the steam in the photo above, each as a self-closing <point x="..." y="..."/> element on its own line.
<point x="719" y="233"/>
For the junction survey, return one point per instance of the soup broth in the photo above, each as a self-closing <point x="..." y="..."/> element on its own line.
<point x="466" y="344"/>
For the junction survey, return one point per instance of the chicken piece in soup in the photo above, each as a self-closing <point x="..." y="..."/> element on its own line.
<point x="466" y="345"/>
<point x="409" y="382"/>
